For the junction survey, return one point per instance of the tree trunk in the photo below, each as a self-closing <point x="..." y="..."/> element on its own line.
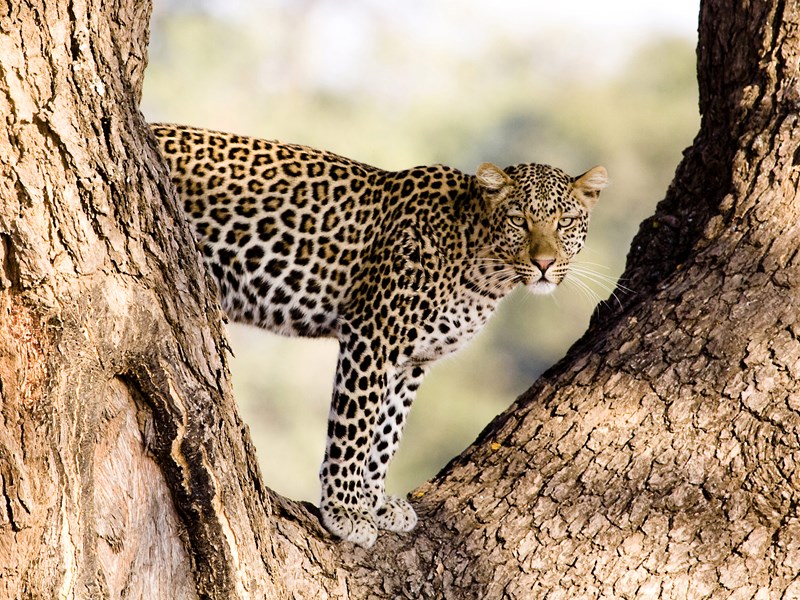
<point x="658" y="459"/>
<point x="121" y="453"/>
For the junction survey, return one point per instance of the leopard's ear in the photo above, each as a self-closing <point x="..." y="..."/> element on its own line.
<point x="589" y="185"/>
<point x="494" y="183"/>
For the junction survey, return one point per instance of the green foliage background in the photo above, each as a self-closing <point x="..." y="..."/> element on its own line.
<point x="436" y="85"/>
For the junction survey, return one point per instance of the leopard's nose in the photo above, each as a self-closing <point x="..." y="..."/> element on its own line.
<point x="543" y="263"/>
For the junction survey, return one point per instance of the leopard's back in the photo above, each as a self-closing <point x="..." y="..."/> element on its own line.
<point x="282" y="227"/>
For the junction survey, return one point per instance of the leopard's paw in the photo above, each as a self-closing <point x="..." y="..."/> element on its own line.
<point x="395" y="514"/>
<point x="349" y="524"/>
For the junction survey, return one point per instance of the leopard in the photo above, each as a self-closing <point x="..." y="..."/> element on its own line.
<point x="401" y="267"/>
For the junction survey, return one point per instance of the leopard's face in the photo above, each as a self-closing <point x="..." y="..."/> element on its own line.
<point x="539" y="219"/>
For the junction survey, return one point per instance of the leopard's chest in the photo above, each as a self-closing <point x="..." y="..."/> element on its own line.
<point x="448" y="328"/>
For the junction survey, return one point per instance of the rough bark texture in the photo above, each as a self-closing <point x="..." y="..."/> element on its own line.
<point x="114" y="395"/>
<point x="659" y="459"/>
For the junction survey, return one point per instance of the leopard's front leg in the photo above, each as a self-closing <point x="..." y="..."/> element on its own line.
<point x="359" y="389"/>
<point x="391" y="512"/>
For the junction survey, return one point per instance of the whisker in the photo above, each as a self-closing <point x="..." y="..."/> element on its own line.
<point x="500" y="279"/>
<point x="582" y="293"/>
<point x="587" y="262"/>
<point x="605" y="288"/>
<point x="590" y="267"/>
<point x="594" y="276"/>
<point x="593" y="297"/>
<point x="605" y="284"/>
<point x="588" y="293"/>
<point x="599" y="280"/>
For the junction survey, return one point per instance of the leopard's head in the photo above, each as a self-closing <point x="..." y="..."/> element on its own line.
<point x="539" y="217"/>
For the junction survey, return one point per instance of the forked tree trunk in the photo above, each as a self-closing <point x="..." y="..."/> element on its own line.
<point x="658" y="459"/>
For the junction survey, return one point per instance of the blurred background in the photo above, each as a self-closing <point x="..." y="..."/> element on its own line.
<point x="573" y="84"/>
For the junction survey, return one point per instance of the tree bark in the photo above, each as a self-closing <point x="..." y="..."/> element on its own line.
<point x="116" y="405"/>
<point x="658" y="459"/>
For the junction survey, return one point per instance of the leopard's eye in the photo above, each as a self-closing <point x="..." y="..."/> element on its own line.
<point x="565" y="222"/>
<point x="518" y="221"/>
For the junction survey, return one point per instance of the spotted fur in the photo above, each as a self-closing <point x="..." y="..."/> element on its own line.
<point x="401" y="267"/>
